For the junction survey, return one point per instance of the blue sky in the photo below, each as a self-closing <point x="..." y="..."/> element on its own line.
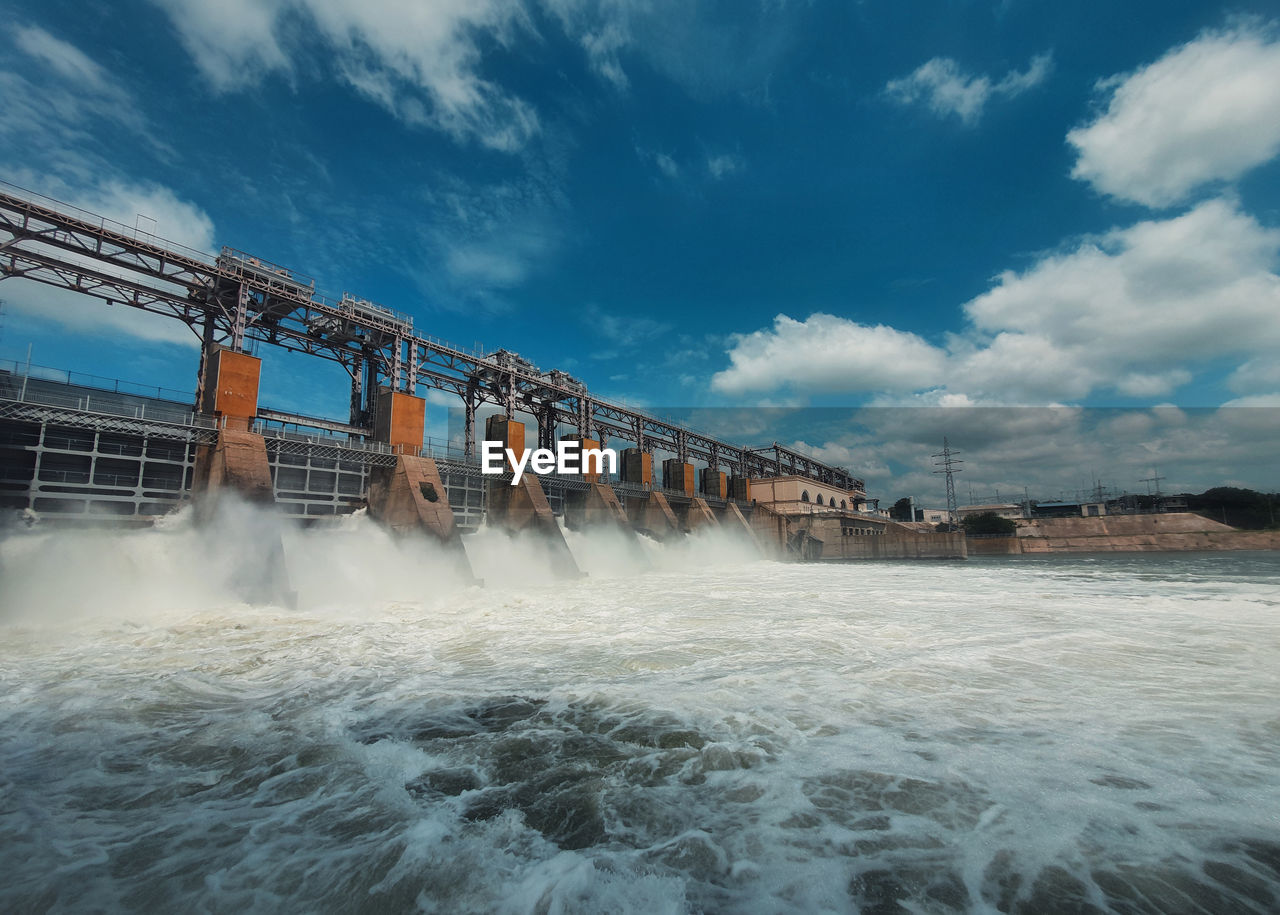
<point x="864" y="206"/>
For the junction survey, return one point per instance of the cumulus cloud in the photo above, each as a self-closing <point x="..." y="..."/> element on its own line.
<point x="1055" y="451"/>
<point x="233" y="42"/>
<point x="942" y="86"/>
<point x="78" y="313"/>
<point x="828" y="353"/>
<point x="152" y="209"/>
<point x="1260" y="374"/>
<point x="420" y="61"/>
<point x="1206" y="111"/>
<point x="58" y="96"/>
<point x="1134" y="311"/>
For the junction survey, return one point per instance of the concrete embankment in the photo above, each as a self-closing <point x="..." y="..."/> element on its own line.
<point x="851" y="537"/>
<point x="1171" y="532"/>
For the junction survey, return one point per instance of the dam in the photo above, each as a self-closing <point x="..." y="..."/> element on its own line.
<point x="91" y="451"/>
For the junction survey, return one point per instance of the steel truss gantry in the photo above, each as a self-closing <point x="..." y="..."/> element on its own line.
<point x="235" y="299"/>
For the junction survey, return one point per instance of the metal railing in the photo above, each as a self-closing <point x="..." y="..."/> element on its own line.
<point x="120" y="228"/>
<point x="106" y="406"/>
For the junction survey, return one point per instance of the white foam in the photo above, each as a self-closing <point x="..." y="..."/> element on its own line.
<point x="727" y="733"/>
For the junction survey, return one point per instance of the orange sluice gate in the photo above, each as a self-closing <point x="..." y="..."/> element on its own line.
<point x="591" y="467"/>
<point x="637" y="467"/>
<point x="401" y="420"/>
<point x="510" y="432"/>
<point x="231" y="386"/>
<point x="678" y="475"/>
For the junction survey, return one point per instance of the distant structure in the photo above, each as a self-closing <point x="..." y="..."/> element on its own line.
<point x="1153" y="482"/>
<point x="948" y="465"/>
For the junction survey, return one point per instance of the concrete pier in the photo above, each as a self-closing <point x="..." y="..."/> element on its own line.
<point x="410" y="498"/>
<point x="237" y="461"/>
<point x="697" y="514"/>
<point x="524" y="506"/>
<point x="731" y="518"/>
<point x="597" y="507"/>
<point x="651" y="514"/>
<point x="236" y="464"/>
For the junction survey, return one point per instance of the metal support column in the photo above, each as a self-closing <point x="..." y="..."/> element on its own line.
<point x="206" y="345"/>
<point x="469" y="420"/>
<point x="240" y="319"/>
<point x="396" y="368"/>
<point x="357" y="391"/>
<point x="546" y="427"/>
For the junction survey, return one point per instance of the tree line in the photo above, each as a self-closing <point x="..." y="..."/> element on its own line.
<point x="1246" y="509"/>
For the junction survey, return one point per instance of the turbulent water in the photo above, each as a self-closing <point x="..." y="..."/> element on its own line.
<point x="686" y="729"/>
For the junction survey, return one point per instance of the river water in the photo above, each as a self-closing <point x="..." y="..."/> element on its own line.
<point x="686" y="729"/>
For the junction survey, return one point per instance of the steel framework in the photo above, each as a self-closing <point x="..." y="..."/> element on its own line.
<point x="236" y="298"/>
<point x="950" y="468"/>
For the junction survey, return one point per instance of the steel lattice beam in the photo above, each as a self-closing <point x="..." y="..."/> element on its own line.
<point x="235" y="299"/>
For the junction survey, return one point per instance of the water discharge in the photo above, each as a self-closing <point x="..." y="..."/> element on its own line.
<point x="687" y="728"/>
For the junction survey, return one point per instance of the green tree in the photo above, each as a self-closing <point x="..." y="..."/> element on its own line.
<point x="989" y="523"/>
<point x="901" y="510"/>
<point x="1243" y="508"/>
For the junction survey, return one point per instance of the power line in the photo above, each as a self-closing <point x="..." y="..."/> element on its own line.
<point x="1155" y="478"/>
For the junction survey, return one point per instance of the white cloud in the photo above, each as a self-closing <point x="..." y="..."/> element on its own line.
<point x="1058" y="450"/>
<point x="695" y="45"/>
<point x="420" y="61"/>
<point x="1270" y="401"/>
<point x="487" y="238"/>
<point x="827" y="353"/>
<point x="66" y="59"/>
<point x="725" y="165"/>
<point x="1135" y="311"/>
<point x="1260" y="374"/>
<point x="152" y="209"/>
<point x="233" y="41"/>
<point x="664" y="162"/>
<point x="82" y="314"/>
<point x="667" y="165"/>
<point x="164" y="214"/>
<point x="55" y="106"/>
<point x="947" y="90"/>
<point x="1206" y="111"/>
<point x="1131" y="310"/>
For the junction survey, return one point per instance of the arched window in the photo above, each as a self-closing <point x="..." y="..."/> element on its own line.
<point x="842" y="505"/>
<point x="804" y="496"/>
<point x="819" y="498"/>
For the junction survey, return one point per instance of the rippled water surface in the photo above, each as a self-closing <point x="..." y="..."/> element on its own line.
<point x="685" y="729"/>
